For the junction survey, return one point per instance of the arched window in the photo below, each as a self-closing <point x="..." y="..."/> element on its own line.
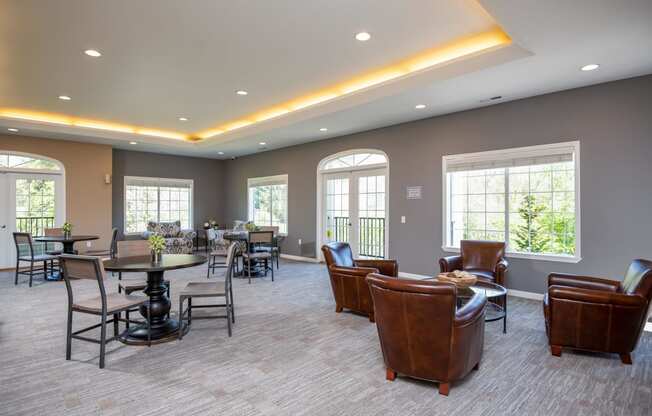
<point x="353" y="159"/>
<point x="17" y="162"/>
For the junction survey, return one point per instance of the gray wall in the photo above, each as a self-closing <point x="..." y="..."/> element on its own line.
<point x="612" y="121"/>
<point x="207" y="174"/>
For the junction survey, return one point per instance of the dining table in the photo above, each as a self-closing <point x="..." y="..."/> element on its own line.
<point x="163" y="328"/>
<point x="68" y="242"/>
<point x="243" y="237"/>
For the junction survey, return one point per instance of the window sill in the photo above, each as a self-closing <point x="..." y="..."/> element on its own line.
<point x="542" y="257"/>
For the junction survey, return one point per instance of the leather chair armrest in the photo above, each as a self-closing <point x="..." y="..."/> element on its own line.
<point x="471" y="310"/>
<point x="385" y="267"/>
<point x="352" y="271"/>
<point x="583" y="282"/>
<point x="450" y="263"/>
<point x="595" y="296"/>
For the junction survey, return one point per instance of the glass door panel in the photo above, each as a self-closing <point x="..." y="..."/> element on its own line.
<point x="371" y="221"/>
<point x="337" y="203"/>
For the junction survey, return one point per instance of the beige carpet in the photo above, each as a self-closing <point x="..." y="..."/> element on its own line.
<point x="291" y="354"/>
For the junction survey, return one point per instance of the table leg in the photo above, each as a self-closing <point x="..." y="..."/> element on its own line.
<point x="505" y="317"/>
<point x="163" y="329"/>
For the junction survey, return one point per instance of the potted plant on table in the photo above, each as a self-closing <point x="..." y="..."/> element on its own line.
<point x="156" y="244"/>
<point x="67" y="229"/>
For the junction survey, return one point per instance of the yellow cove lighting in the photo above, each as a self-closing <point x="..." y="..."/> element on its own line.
<point x="441" y="55"/>
<point x="85" y="123"/>
<point x="437" y="56"/>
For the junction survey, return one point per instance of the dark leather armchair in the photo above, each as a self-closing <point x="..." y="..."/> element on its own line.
<point x="594" y="314"/>
<point x="348" y="277"/>
<point x="485" y="259"/>
<point x="423" y="334"/>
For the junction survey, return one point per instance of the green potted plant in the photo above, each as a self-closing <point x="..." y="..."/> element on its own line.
<point x="157" y="245"/>
<point x="67" y="229"/>
<point x="250" y="226"/>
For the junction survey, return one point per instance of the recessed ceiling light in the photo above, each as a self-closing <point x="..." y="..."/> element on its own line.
<point x="323" y="129"/>
<point x="93" y="53"/>
<point x="363" y="36"/>
<point x="183" y="119"/>
<point x="262" y="143"/>
<point x="133" y="142"/>
<point x="241" y="92"/>
<point x="420" y="106"/>
<point x="220" y="153"/>
<point x="65" y="98"/>
<point x="13" y="130"/>
<point x="590" y="67"/>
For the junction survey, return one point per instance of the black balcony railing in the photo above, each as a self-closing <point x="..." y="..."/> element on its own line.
<point x="372" y="237"/>
<point x="34" y="225"/>
<point x="341" y="228"/>
<point x="371" y="240"/>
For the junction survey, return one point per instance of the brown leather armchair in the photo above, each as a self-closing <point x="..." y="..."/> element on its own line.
<point x="594" y="314"/>
<point x="485" y="259"/>
<point x="423" y="334"/>
<point x="348" y="277"/>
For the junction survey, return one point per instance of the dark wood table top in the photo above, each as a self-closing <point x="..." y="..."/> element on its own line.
<point x="64" y="239"/>
<point x="145" y="263"/>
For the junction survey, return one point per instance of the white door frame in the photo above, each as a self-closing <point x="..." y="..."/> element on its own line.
<point x="320" y="214"/>
<point x="8" y="178"/>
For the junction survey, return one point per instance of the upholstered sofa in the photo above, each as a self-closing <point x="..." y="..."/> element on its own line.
<point x="177" y="241"/>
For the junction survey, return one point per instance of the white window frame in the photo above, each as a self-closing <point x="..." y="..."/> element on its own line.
<point x="161" y="182"/>
<point x="521" y="152"/>
<point x="267" y="180"/>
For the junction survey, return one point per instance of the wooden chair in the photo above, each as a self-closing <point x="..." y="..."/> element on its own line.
<point x="88" y="267"/>
<point x="23" y="240"/>
<point x="134" y="248"/>
<point x="210" y="290"/>
<point x="217" y="250"/>
<point x="273" y="248"/>
<point x="110" y="253"/>
<point x="257" y="238"/>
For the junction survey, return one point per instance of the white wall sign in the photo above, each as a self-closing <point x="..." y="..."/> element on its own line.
<point x="414" y="192"/>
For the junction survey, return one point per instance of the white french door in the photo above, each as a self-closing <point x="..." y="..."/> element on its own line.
<point x="30" y="202"/>
<point x="354" y="210"/>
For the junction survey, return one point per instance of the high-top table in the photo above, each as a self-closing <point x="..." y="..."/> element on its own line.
<point x="68" y="246"/>
<point x="163" y="329"/>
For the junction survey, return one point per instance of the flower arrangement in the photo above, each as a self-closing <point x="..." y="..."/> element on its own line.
<point x="156" y="244"/>
<point x="250" y="226"/>
<point x="211" y="224"/>
<point x="329" y="234"/>
<point x="67" y="228"/>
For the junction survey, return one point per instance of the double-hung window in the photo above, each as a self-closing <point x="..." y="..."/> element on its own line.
<point x="158" y="200"/>
<point x="527" y="197"/>
<point x="268" y="201"/>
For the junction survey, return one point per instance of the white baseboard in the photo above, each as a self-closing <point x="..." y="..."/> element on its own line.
<point x="299" y="258"/>
<point x="511" y="292"/>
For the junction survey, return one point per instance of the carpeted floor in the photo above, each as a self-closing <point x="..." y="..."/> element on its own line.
<point x="291" y="354"/>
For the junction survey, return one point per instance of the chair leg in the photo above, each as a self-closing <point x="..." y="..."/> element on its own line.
<point x="17" y="268"/>
<point x="626" y="358"/>
<point x="208" y="271"/>
<point x="444" y="388"/>
<point x="31" y="273"/>
<point x="248" y="268"/>
<point x="266" y="267"/>
<point x="228" y="317"/>
<point x="477" y="366"/>
<point x="116" y="328"/>
<point x="69" y="335"/>
<point x="272" y="269"/>
<point x="189" y="311"/>
<point x="180" y="318"/>
<point x="232" y="304"/>
<point x="102" y="341"/>
<point x="127" y="318"/>
<point x="555" y="350"/>
<point x="338" y="308"/>
<point x="390" y="374"/>
<point x="45" y="270"/>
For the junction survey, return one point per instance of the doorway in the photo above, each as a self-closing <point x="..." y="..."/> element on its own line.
<point x="32" y="199"/>
<point x="352" y="201"/>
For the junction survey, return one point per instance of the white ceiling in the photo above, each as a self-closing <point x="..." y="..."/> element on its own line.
<point x="163" y="59"/>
